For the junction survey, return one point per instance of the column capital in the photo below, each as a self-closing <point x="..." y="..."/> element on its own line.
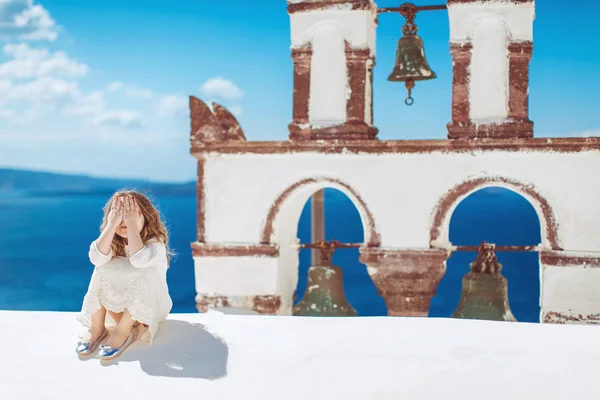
<point x="407" y="279"/>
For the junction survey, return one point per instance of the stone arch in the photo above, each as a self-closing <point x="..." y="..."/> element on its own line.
<point x="327" y="25"/>
<point x="372" y="237"/>
<point x="281" y="228"/>
<point x="487" y="19"/>
<point x="442" y="213"/>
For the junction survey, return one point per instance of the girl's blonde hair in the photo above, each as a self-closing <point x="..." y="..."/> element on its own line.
<point x="154" y="228"/>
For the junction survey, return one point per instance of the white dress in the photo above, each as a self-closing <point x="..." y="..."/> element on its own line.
<point x="137" y="283"/>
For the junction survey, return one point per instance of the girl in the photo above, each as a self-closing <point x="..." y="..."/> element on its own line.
<point x="129" y="282"/>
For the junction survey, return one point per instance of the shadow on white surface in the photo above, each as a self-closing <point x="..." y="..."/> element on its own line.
<point x="180" y="350"/>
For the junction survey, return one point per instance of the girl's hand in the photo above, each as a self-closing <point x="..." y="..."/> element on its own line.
<point x="115" y="216"/>
<point x="132" y="215"/>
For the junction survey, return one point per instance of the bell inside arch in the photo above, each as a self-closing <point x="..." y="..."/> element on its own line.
<point x="484" y="291"/>
<point x="325" y="296"/>
<point x="411" y="63"/>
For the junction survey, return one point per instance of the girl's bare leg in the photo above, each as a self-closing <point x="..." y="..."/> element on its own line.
<point x="120" y="335"/>
<point x="115" y="316"/>
<point x="97" y="324"/>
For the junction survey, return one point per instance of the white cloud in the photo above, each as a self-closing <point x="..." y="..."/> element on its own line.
<point x="28" y="62"/>
<point x="47" y="90"/>
<point x="7" y="113"/>
<point x="86" y="105"/>
<point x="36" y="80"/>
<point x="115" y="86"/>
<point x="122" y="118"/>
<point x="131" y="91"/>
<point x="221" y="88"/>
<point x="139" y="93"/>
<point x="93" y="107"/>
<point x="25" y="20"/>
<point x="48" y="93"/>
<point x="171" y="105"/>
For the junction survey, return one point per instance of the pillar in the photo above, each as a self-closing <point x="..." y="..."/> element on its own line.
<point x="406" y="279"/>
<point x="317" y="223"/>
<point x="333" y="52"/>
<point x="491" y="43"/>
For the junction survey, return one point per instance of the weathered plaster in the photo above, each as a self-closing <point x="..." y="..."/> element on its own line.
<point x="491" y="43"/>
<point x="334" y="80"/>
<point x="402" y="203"/>
<point x="236" y="276"/>
<point x="517" y="18"/>
<point x="398" y="210"/>
<point x="488" y="94"/>
<point x="570" y="294"/>
<point x="358" y="26"/>
<point x="327" y="102"/>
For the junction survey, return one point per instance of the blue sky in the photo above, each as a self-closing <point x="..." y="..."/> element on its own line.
<point x="100" y="87"/>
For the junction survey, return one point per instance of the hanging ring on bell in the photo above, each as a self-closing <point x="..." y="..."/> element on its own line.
<point x="410" y="84"/>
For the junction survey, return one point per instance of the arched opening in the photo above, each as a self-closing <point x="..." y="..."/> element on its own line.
<point x="502" y="216"/>
<point x="347" y="219"/>
<point x="342" y="222"/>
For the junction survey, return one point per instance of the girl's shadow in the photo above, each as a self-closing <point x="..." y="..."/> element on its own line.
<point x="180" y="350"/>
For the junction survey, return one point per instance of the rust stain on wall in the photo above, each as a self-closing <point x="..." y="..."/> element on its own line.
<point x="554" y="317"/>
<point x="263" y="304"/>
<point x="219" y="250"/>
<point x="451" y="198"/>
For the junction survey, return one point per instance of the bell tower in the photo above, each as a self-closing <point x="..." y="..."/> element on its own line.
<point x="333" y="50"/>
<point x="491" y="42"/>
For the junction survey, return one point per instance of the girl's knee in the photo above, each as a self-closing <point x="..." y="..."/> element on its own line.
<point x="115" y="316"/>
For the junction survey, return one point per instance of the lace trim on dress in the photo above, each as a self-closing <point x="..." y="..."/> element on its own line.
<point x="130" y="299"/>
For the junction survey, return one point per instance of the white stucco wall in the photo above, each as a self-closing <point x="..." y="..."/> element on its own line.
<point x="518" y="19"/>
<point x="252" y="276"/>
<point x="570" y="290"/>
<point x="240" y="189"/>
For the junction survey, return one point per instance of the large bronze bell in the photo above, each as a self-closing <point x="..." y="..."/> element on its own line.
<point x="324" y="296"/>
<point x="485" y="290"/>
<point x="411" y="63"/>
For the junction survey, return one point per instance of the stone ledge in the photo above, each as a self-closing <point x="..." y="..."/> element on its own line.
<point x="569" y="259"/>
<point x="227" y="250"/>
<point x="558" y="145"/>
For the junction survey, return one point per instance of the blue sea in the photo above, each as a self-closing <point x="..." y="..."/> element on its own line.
<point x="44" y="243"/>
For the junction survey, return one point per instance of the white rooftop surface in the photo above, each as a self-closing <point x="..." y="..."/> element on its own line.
<point x="219" y="356"/>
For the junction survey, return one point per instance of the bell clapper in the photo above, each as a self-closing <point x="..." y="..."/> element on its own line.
<point x="410" y="84"/>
